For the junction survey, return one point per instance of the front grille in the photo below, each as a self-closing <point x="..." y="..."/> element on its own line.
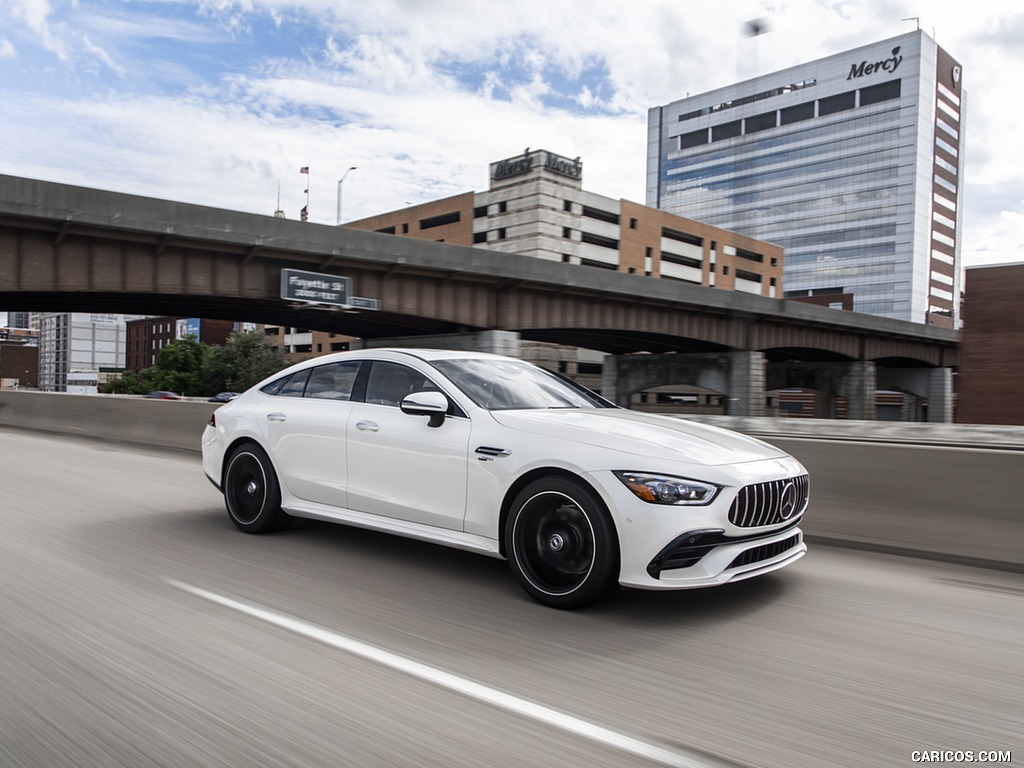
<point x="771" y="503"/>
<point x="764" y="552"/>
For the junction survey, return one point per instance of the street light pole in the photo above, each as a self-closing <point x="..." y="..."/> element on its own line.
<point x="339" y="190"/>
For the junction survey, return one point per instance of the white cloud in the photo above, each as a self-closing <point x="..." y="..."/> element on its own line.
<point x="422" y="94"/>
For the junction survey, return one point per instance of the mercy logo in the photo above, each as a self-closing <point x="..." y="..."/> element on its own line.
<point x="887" y="65"/>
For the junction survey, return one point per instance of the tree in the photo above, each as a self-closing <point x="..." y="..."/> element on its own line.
<point x="200" y="370"/>
<point x="245" y="359"/>
<point x="180" y="367"/>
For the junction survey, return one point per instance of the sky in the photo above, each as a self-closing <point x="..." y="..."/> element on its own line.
<point x="221" y="102"/>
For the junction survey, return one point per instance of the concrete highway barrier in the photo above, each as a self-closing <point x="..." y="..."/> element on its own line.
<point x="949" y="492"/>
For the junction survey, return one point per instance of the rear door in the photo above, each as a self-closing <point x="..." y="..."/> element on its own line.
<point x="305" y="427"/>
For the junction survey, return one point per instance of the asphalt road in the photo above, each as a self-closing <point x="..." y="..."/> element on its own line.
<point x="139" y="628"/>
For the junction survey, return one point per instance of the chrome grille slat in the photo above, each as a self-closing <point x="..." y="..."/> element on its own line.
<point x="762" y="504"/>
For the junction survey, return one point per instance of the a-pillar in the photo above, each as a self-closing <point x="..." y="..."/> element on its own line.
<point x="746" y="384"/>
<point x="940" y="395"/>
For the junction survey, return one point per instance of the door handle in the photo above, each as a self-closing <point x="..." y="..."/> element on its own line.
<point x="367" y="426"/>
<point x="278" y="416"/>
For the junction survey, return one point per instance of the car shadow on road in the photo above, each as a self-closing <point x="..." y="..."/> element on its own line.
<point x="417" y="577"/>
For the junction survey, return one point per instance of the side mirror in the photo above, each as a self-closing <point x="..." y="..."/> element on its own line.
<point x="432" y="404"/>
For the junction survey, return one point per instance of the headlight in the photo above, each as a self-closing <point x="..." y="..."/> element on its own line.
<point x="663" y="489"/>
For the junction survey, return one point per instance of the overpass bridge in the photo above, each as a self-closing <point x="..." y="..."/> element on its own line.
<point x="73" y="249"/>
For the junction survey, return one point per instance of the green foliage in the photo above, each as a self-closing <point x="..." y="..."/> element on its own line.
<point x="193" y="369"/>
<point x="245" y="359"/>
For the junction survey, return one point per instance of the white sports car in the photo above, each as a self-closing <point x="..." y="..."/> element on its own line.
<point x="495" y="455"/>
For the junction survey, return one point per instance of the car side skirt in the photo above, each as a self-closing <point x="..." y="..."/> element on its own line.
<point x="456" y="539"/>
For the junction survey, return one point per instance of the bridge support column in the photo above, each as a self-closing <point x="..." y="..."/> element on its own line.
<point x="859" y="388"/>
<point x="746" y="384"/>
<point x="940" y="395"/>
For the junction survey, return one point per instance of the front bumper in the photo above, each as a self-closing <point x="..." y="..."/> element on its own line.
<point x="682" y="547"/>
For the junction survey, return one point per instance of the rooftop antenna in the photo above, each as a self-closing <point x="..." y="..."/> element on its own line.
<point x="278" y="214"/>
<point x="915" y="19"/>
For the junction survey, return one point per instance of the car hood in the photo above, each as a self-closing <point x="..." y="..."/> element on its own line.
<point x="641" y="434"/>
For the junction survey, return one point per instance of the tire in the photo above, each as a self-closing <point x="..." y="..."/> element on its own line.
<point x="561" y="543"/>
<point x="252" y="494"/>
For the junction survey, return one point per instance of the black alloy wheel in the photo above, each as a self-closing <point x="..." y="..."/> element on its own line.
<point x="251" y="491"/>
<point x="561" y="543"/>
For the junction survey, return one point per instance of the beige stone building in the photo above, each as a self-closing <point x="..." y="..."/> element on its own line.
<point x="536" y="206"/>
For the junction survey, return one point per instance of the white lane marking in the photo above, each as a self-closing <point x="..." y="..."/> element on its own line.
<point x="663" y="755"/>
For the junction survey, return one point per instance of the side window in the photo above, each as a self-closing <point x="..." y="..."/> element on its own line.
<point x="332" y="382"/>
<point x="295" y="386"/>
<point x="389" y="383"/>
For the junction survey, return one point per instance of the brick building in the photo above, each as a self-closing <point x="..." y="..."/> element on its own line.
<point x="992" y="355"/>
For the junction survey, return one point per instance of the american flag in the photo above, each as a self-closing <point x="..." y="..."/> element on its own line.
<point x="304" y="213"/>
<point x="304" y="169"/>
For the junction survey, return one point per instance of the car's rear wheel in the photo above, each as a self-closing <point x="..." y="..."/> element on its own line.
<point x="252" y="494"/>
<point x="561" y="543"/>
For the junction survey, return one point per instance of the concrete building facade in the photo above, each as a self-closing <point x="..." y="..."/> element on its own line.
<point x="852" y="163"/>
<point x="80" y="350"/>
<point x="536" y="206"/>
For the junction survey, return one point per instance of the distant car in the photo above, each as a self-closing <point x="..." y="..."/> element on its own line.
<point x="162" y="395"/>
<point x="223" y="397"/>
<point x="497" y="456"/>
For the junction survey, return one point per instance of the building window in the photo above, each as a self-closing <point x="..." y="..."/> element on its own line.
<point x="743" y="274"/>
<point x="567" y="233"/>
<point x="501" y="233"/>
<point x="838" y="103"/>
<point x="503" y="207"/>
<point x="405" y="229"/>
<point x="682" y="237"/>
<point x="567" y="206"/>
<point x="440" y="220"/>
<point x="597" y="213"/>
<point x="480" y="212"/>
<point x="479" y="237"/>
<point x="386" y="230"/>
<point x="598" y="264"/>
<point x="686" y="261"/>
<point x="725" y="270"/>
<point x="632" y="270"/>
<point x="797" y="113"/>
<point x="749" y="255"/>
<point x="693" y="139"/>
<point x="726" y="130"/>
<point x="633" y="223"/>
<point x="761" y="122"/>
<point x="604" y="242"/>
<point x="873" y="94"/>
<point x="771" y="282"/>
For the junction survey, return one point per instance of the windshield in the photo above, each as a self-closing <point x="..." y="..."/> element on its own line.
<point x="502" y="385"/>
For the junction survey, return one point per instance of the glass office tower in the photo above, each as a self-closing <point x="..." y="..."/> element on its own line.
<point x="851" y="163"/>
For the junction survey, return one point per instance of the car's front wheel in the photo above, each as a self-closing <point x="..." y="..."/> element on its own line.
<point x="251" y="491"/>
<point x="561" y="543"/>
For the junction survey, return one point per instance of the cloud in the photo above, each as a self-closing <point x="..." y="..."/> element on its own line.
<point x="213" y="102"/>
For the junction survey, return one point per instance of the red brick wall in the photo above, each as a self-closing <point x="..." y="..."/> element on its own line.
<point x="991" y="380"/>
